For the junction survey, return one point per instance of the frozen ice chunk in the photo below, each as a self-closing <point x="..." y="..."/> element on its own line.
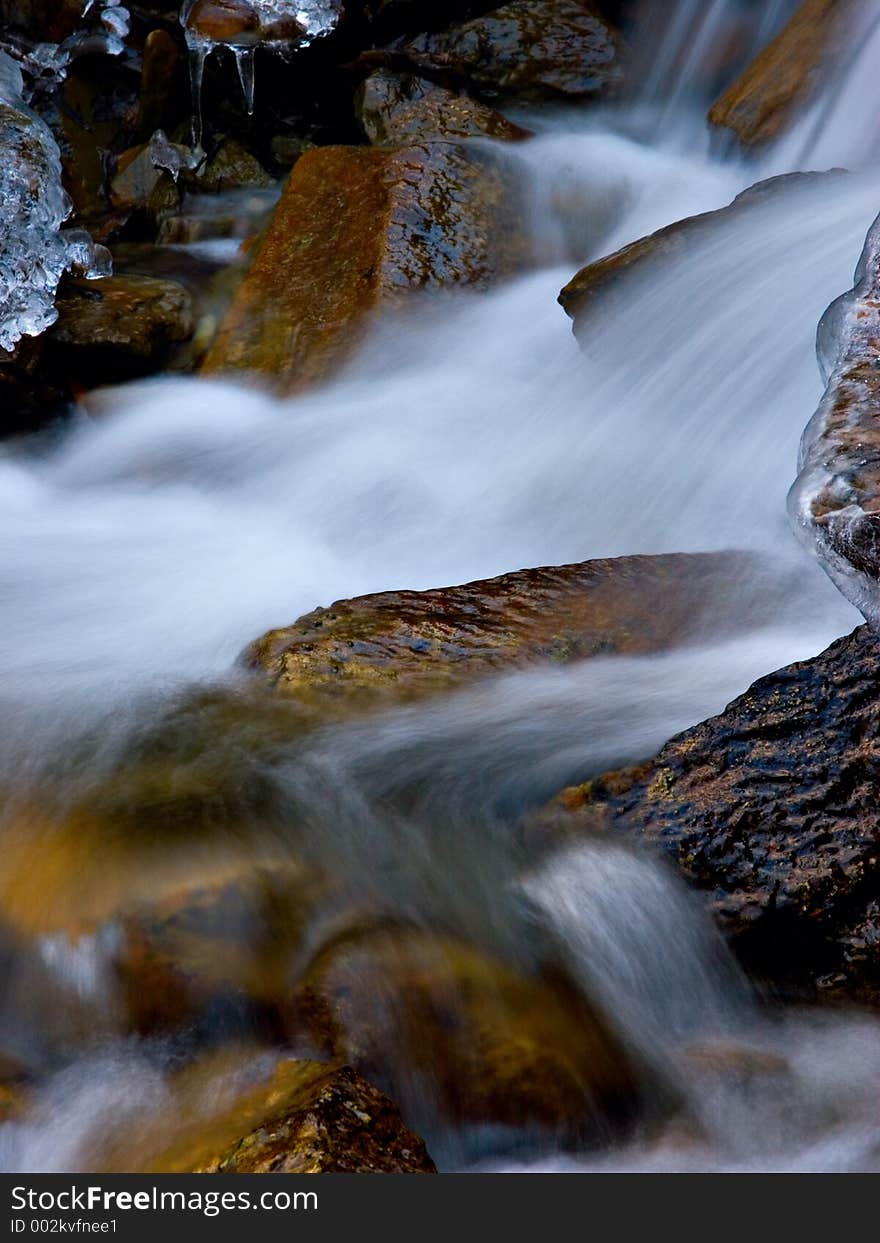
<point x="34" y="250"/>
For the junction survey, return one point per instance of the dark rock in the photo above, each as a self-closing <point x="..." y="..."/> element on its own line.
<point x="408" y="643"/>
<point x="773" y="809"/>
<point x="533" y="49"/>
<point x="135" y="315"/>
<point x="835" y="502"/>
<point x="357" y="229"/>
<point x="400" y="108"/>
<point x="231" y="167"/>
<point x="142" y="185"/>
<point x="98" y="112"/>
<point x="31" y="393"/>
<point x="162" y="76"/>
<point x="768" y="95"/>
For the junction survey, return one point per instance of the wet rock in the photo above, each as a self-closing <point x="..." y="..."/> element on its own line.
<point x="455" y="1034"/>
<point x="399" y="108"/>
<point x="140" y="184"/>
<point x="97" y="114"/>
<point x="835" y="502"/>
<point x="771" y="808"/>
<point x="323" y="1121"/>
<point x="287" y="148"/>
<point x="134" y="315"/>
<point x="359" y="229"/>
<point x="534" y="49"/>
<point x="232" y="1115"/>
<point x="767" y="96"/>
<point x="223" y="20"/>
<point x="232" y="167"/>
<point x="408" y="643"/>
<point x="31" y="394"/>
<point x="647" y="258"/>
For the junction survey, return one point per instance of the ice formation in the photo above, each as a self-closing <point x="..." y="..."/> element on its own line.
<point x="44" y="65"/>
<point x="34" y="250"/>
<point x="279" y="26"/>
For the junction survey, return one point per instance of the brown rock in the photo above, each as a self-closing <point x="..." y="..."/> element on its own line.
<point x="357" y="229"/>
<point x="401" y="108"/>
<point x="835" y="502"/>
<point x="223" y="20"/>
<point x="227" y="944"/>
<point x="240" y="23"/>
<point x="586" y="292"/>
<point x="417" y="1014"/>
<point x="300" y="1118"/>
<point x="761" y="103"/>
<point x="773" y="809"/>
<point x="137" y="315"/>
<point x="409" y="643"/>
<point x="160" y="81"/>
<point x="529" y="48"/>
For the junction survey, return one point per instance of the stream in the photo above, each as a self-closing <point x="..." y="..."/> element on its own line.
<point x="142" y="549"/>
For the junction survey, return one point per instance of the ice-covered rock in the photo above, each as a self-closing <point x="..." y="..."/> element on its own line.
<point x="243" y="26"/>
<point x="835" y="501"/>
<point x="34" y="250"/>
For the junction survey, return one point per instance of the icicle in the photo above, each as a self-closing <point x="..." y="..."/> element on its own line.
<point x="244" y="59"/>
<point x="198" y="54"/>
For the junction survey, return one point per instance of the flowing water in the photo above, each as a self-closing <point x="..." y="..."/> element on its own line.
<point x="140" y="551"/>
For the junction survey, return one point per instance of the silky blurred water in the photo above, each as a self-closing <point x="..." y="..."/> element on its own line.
<point x="142" y="550"/>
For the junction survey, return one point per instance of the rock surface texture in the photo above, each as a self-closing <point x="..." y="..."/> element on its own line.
<point x="771" y="808"/>
<point x="307" y="1118"/>
<point x="398" y="108"/>
<point x="358" y="228"/>
<point x="408" y="642"/>
<point x="535" y="49"/>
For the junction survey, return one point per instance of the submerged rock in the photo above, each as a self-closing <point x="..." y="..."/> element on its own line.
<point x="534" y="49"/>
<point x="408" y="642"/>
<point x="835" y="502"/>
<point x="456" y="1035"/>
<point x="648" y="257"/>
<point x="773" y="809"/>
<point x="357" y="229"/>
<point x="762" y="102"/>
<point x="399" y="108"/>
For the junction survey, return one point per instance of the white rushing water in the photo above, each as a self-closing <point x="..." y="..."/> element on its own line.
<point x="149" y="545"/>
